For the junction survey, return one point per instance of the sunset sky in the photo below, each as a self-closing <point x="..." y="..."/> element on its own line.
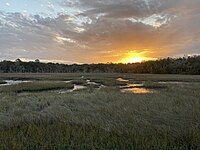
<point x="94" y="31"/>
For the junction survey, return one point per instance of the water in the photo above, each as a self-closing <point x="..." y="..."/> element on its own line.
<point x="68" y="81"/>
<point x="122" y="80"/>
<point x="173" y="82"/>
<point x="76" y="88"/>
<point x="14" y="82"/>
<point x="91" y="83"/>
<point x="133" y="85"/>
<point x="79" y="87"/>
<point x="136" y="88"/>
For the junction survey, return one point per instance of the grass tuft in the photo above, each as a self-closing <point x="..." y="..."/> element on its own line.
<point x="36" y="86"/>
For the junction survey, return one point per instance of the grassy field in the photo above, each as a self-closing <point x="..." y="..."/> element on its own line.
<point x="35" y="115"/>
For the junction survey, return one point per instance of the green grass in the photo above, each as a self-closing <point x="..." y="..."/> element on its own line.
<point x="154" y="85"/>
<point x="101" y="118"/>
<point x="36" y="86"/>
<point x="79" y="82"/>
<point x="72" y="76"/>
<point x="63" y="136"/>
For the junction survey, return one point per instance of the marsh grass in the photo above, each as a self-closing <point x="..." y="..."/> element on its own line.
<point x="102" y="118"/>
<point x="93" y="86"/>
<point x="79" y="82"/>
<point x="99" y="76"/>
<point x="36" y="86"/>
<point x="154" y="85"/>
<point x="63" y="136"/>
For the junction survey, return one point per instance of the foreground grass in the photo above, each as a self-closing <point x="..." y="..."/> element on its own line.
<point x="63" y="136"/>
<point x="36" y="86"/>
<point x="102" y="118"/>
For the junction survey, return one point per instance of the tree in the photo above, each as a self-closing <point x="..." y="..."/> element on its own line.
<point x="18" y="60"/>
<point x="37" y="61"/>
<point x="189" y="65"/>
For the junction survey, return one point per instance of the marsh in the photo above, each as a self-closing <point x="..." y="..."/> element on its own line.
<point x="102" y="117"/>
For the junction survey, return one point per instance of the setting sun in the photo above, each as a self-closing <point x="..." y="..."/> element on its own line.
<point x="135" y="57"/>
<point x="133" y="60"/>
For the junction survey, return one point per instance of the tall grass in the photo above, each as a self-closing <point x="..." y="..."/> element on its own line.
<point x="71" y="136"/>
<point x="70" y="76"/>
<point x="102" y="119"/>
<point x="36" y="86"/>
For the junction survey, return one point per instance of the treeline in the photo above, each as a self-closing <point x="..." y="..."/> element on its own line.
<point x="185" y="65"/>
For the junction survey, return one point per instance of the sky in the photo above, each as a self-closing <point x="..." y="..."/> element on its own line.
<point x="98" y="31"/>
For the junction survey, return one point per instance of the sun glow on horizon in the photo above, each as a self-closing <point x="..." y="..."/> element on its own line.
<point x="134" y="57"/>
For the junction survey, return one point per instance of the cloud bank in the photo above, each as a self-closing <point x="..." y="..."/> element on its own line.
<point x="103" y="30"/>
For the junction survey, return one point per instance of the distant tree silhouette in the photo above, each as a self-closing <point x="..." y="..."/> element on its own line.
<point x="18" y="60"/>
<point x="37" y="61"/>
<point x="185" y="65"/>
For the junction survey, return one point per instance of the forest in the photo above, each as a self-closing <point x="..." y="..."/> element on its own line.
<point x="184" y="65"/>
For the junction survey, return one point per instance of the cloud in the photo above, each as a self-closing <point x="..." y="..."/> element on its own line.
<point x="7" y="4"/>
<point x="103" y="31"/>
<point x="176" y="23"/>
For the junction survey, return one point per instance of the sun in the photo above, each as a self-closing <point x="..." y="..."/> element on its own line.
<point x="136" y="57"/>
<point x="133" y="58"/>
